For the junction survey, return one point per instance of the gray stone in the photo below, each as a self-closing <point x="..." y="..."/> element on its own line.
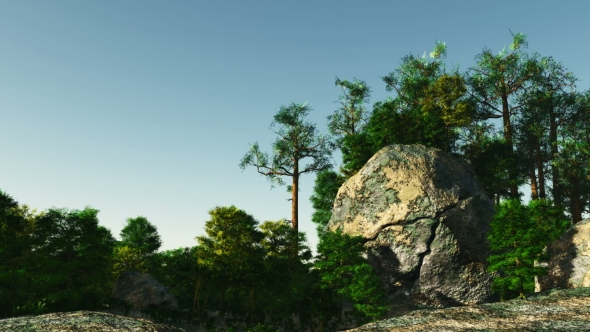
<point x="425" y="219"/>
<point x="556" y="310"/>
<point x="569" y="259"/>
<point x="141" y="290"/>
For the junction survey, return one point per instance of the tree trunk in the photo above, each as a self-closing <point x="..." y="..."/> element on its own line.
<point x="575" y="202"/>
<point x="533" y="176"/>
<point x="295" y="207"/>
<point x="540" y="168"/>
<point x="294" y="201"/>
<point x="556" y="192"/>
<point x="534" y="193"/>
<point x="196" y="300"/>
<point x="508" y="137"/>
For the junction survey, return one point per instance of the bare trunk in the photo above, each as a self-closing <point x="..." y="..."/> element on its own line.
<point x="294" y="198"/>
<point x="508" y="137"/>
<point x="533" y="176"/>
<point x="556" y="192"/>
<point x="578" y="210"/>
<point x="576" y="203"/>
<point x="540" y="168"/>
<point x="534" y="193"/>
<point x="295" y="207"/>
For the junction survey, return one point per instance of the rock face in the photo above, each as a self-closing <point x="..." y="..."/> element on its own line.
<point x="142" y="290"/>
<point x="569" y="263"/>
<point x="425" y="218"/>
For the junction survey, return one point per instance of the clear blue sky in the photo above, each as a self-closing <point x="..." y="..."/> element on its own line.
<point x="146" y="107"/>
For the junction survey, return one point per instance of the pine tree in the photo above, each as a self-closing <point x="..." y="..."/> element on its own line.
<point x="518" y="236"/>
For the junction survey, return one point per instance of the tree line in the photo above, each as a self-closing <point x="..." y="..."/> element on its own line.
<point x="63" y="260"/>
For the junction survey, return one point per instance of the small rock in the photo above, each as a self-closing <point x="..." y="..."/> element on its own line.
<point x="141" y="290"/>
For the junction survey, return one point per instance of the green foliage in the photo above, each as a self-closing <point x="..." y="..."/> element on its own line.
<point x="571" y="160"/>
<point x="142" y="235"/>
<point x="128" y="259"/>
<point x="496" y="84"/>
<point x="490" y="157"/>
<point x="388" y="126"/>
<point x="350" y="118"/>
<point x="518" y="236"/>
<point x="496" y="81"/>
<point x="278" y="238"/>
<point x="356" y="151"/>
<point x="447" y="97"/>
<point x="231" y="242"/>
<point x="13" y="245"/>
<point x="30" y="308"/>
<point x="366" y="291"/>
<point x="298" y="140"/>
<point x="232" y="253"/>
<point x="348" y="123"/>
<point x="178" y="270"/>
<point x="285" y="283"/>
<point x="137" y="249"/>
<point x="429" y="108"/>
<point x="67" y="263"/>
<point x="325" y="189"/>
<point x="342" y="269"/>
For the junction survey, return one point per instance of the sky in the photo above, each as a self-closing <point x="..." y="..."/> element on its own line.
<point x="145" y="108"/>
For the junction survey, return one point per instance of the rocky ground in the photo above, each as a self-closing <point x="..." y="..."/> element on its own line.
<point x="90" y="321"/>
<point x="553" y="310"/>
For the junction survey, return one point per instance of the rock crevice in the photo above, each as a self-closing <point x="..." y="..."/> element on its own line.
<point x="410" y="222"/>
<point x="421" y="256"/>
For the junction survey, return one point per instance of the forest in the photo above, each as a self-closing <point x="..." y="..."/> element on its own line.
<point x="515" y="117"/>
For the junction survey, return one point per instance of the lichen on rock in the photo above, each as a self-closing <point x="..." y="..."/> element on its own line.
<point x="425" y="219"/>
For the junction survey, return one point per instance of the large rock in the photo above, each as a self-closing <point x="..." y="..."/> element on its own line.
<point x="425" y="218"/>
<point x="142" y="291"/>
<point x="569" y="259"/>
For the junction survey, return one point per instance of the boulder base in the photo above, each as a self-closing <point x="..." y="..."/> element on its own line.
<point x="425" y="219"/>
